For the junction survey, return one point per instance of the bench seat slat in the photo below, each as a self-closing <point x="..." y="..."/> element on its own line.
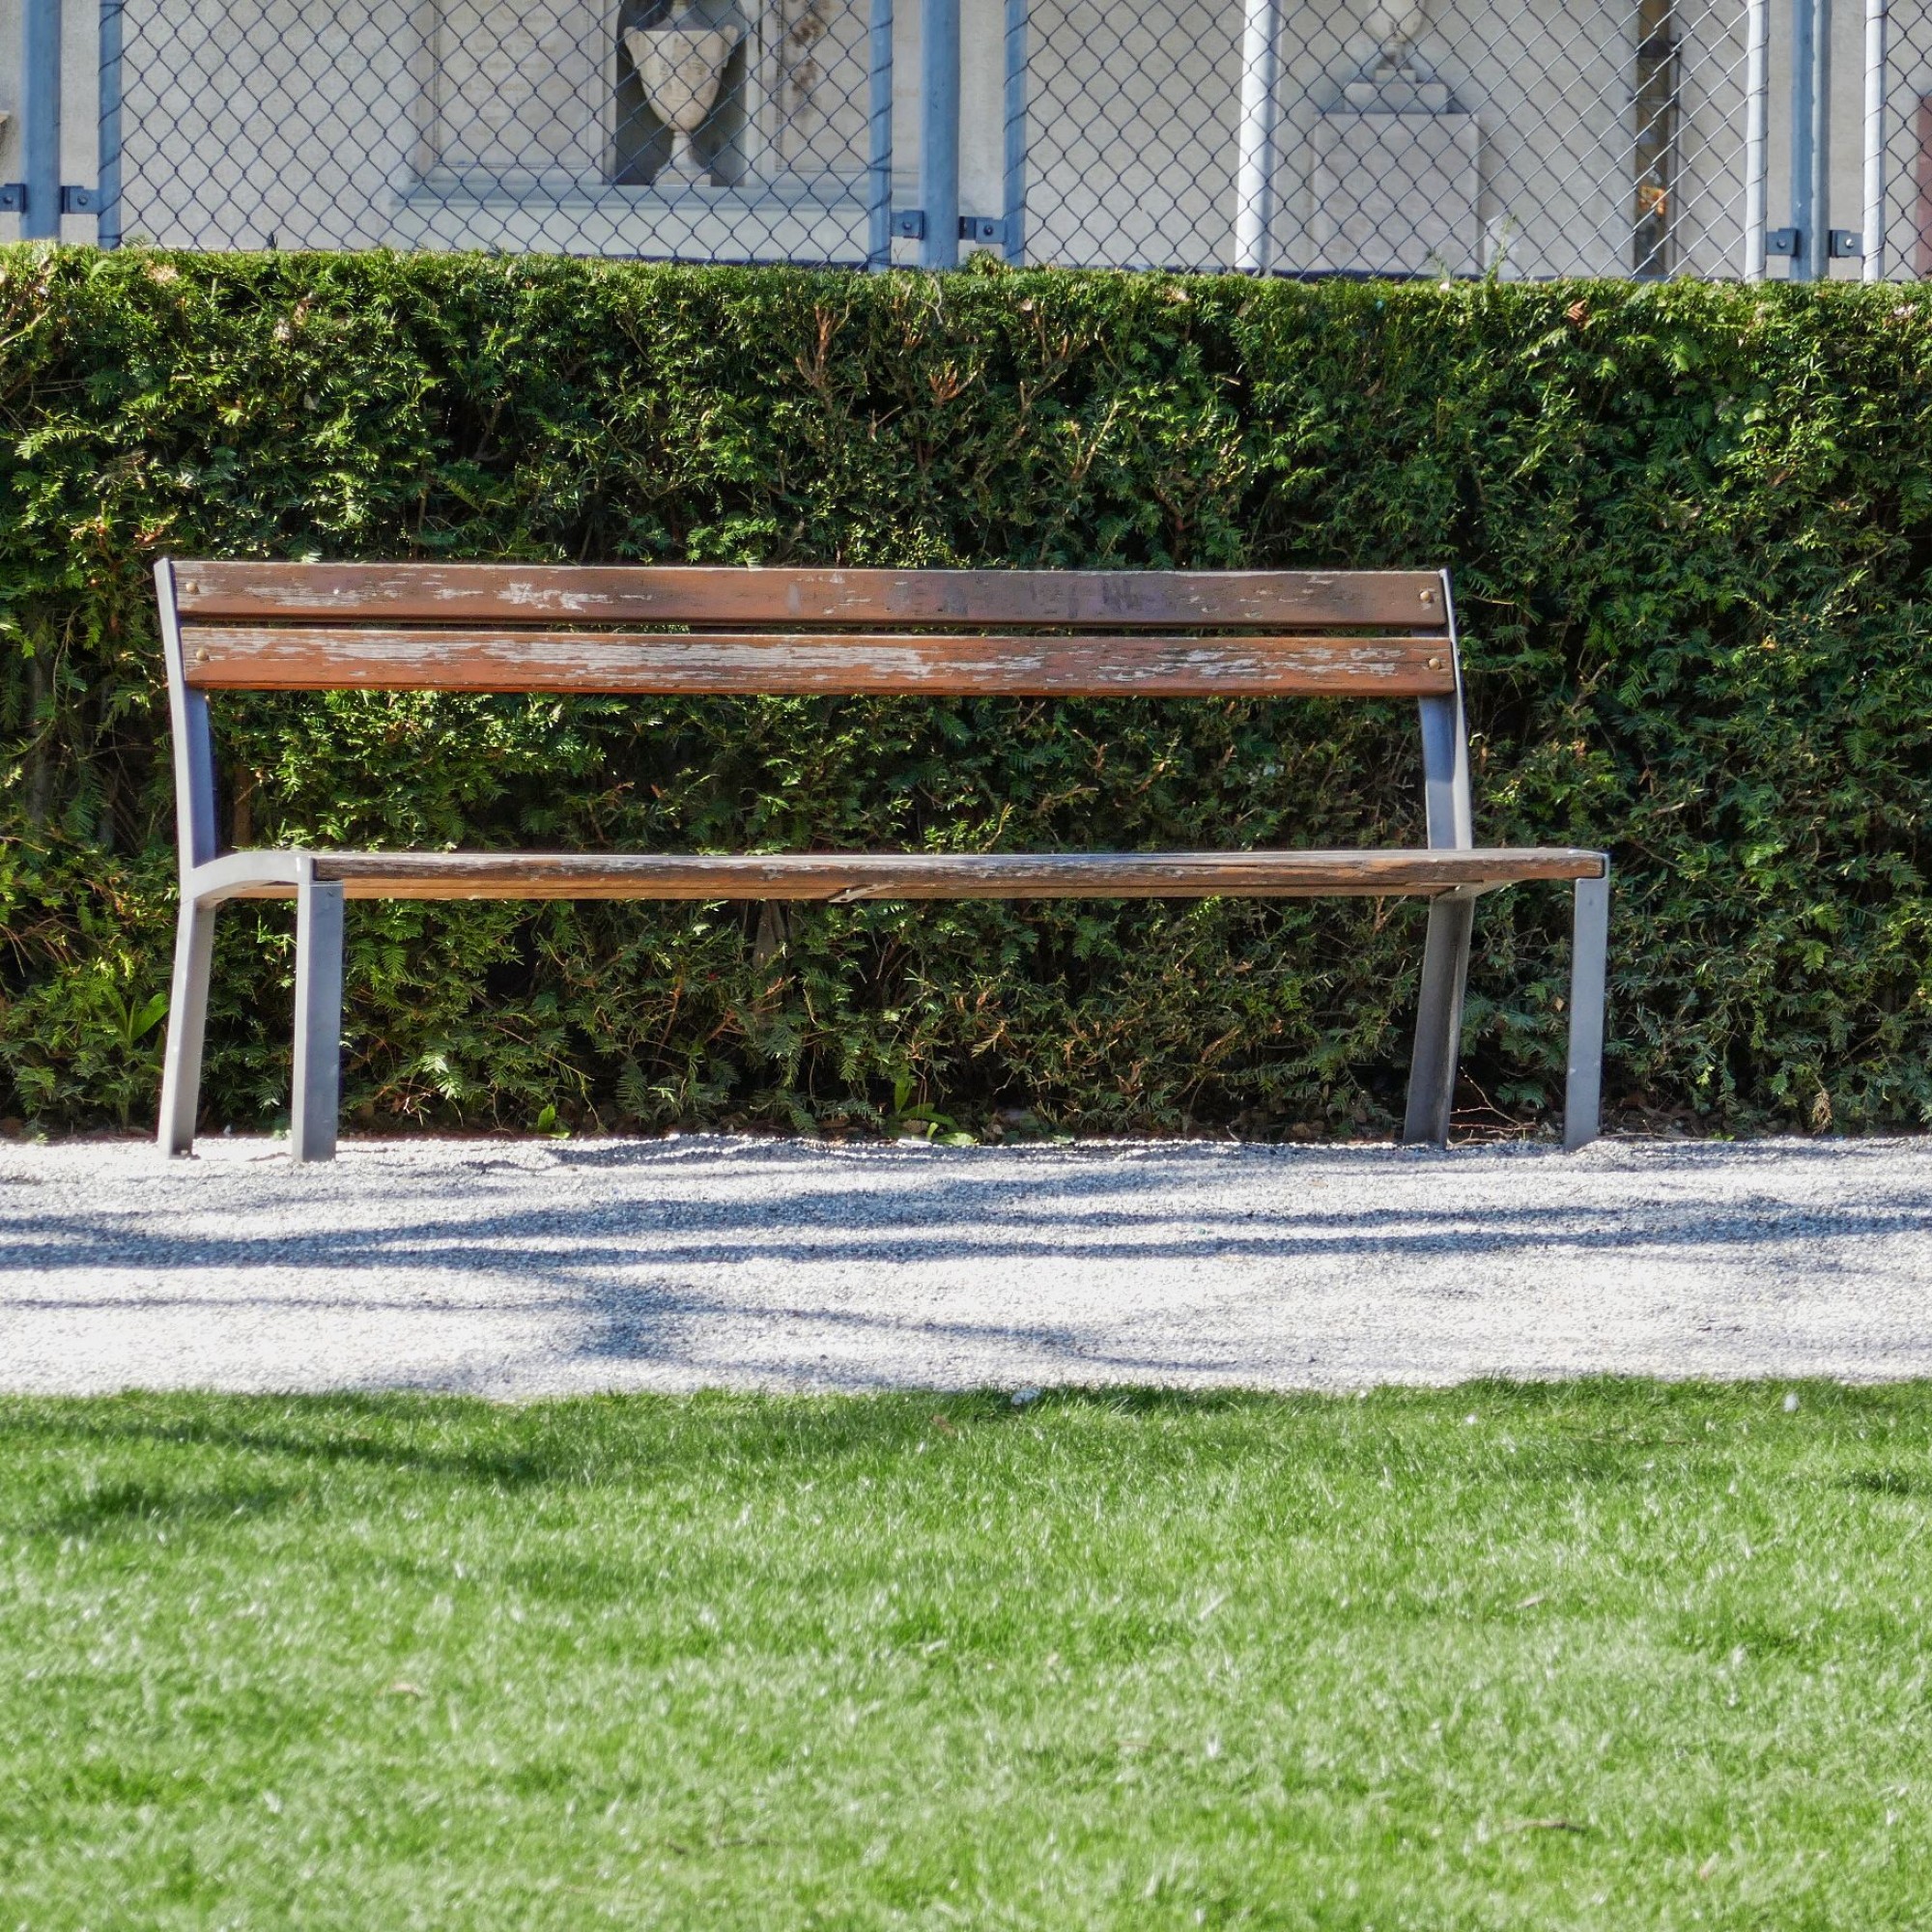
<point x="730" y="594"/>
<point x="919" y="875"/>
<point x="302" y="658"/>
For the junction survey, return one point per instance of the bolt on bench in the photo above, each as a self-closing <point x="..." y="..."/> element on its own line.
<point x="1022" y="634"/>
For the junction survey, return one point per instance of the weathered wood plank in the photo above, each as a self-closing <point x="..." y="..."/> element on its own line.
<point x="271" y="658"/>
<point x="698" y="594"/>
<point x="920" y="876"/>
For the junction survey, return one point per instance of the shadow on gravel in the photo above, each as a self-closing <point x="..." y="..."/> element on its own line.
<point x="960" y="1219"/>
<point x="634" y="1279"/>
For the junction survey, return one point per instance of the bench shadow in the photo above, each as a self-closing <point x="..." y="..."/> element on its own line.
<point x="635" y="1279"/>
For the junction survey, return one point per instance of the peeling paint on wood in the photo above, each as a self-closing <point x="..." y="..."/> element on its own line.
<point x="1408" y="600"/>
<point x="846" y="877"/>
<point x="307" y="658"/>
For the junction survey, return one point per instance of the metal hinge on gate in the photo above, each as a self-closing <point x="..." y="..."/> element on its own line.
<point x="1841" y="244"/>
<point x="909" y="224"/>
<point x="73" y="200"/>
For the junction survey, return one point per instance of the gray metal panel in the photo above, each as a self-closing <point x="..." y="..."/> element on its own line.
<point x="236" y="871"/>
<point x="1441" y="726"/>
<point x="195" y="834"/>
<point x="1445" y="753"/>
<point x="187" y="1019"/>
<point x="1012" y="216"/>
<point x="1878" y="25"/>
<point x="1254" y="136"/>
<point x="1438" y="1021"/>
<point x="1445" y="956"/>
<point x="1589" y="966"/>
<point x="879" y="129"/>
<point x="196" y="844"/>
<point x="41" y="119"/>
<point x="317" y="1095"/>
<point x="939" y="132"/>
<point x="107" y="227"/>
<point x="1810" y="135"/>
<point x="1757" y="86"/>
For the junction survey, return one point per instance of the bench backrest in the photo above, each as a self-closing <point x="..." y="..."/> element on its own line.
<point x="670" y="629"/>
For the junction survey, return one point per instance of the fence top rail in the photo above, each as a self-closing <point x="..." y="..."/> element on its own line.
<point x="545" y="595"/>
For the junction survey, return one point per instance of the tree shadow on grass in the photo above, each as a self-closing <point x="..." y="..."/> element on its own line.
<point x="136" y="1504"/>
<point x="574" y="1441"/>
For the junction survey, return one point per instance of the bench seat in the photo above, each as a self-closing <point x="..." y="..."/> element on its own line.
<point x="842" y="878"/>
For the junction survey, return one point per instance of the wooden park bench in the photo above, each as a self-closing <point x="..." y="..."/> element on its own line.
<point x="931" y="633"/>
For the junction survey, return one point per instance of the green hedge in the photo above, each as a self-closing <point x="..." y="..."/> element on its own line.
<point x="1691" y="527"/>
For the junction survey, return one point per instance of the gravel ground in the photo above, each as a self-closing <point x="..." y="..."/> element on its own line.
<point x="524" y="1269"/>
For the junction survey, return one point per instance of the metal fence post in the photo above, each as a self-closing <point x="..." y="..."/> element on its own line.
<point x="879" y="169"/>
<point x="1876" y="21"/>
<point x="1012" y="211"/>
<point x="1811" y="135"/>
<point x="107" y="177"/>
<point x="1757" y="89"/>
<point x="939" y="132"/>
<point x="1254" y="176"/>
<point x="41" y="119"/>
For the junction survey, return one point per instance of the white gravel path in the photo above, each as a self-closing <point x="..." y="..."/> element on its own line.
<point x="521" y="1268"/>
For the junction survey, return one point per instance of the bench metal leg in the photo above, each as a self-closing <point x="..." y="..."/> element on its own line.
<point x="1589" y="960"/>
<point x="318" y="1073"/>
<point x="1438" y="1021"/>
<point x="187" y="1022"/>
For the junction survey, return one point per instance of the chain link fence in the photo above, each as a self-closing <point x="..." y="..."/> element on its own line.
<point x="566" y="125"/>
<point x="1898" y="146"/>
<point x="1520" y="138"/>
<point x="1527" y="139"/>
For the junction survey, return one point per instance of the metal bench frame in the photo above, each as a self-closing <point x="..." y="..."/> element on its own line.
<point x="475" y="627"/>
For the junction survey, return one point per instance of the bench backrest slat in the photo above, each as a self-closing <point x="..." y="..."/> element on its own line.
<point x="677" y="629"/>
<point x="469" y="594"/>
<point x="307" y="658"/>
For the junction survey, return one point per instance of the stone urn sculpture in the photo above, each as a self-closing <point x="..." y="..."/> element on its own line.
<point x="680" y="67"/>
<point x="1397" y="27"/>
<point x="1395" y="81"/>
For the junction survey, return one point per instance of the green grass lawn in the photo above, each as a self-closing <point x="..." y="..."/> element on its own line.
<point x="1610" y="1655"/>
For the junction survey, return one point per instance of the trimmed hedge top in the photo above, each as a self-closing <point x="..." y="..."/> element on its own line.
<point x="1689" y="529"/>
